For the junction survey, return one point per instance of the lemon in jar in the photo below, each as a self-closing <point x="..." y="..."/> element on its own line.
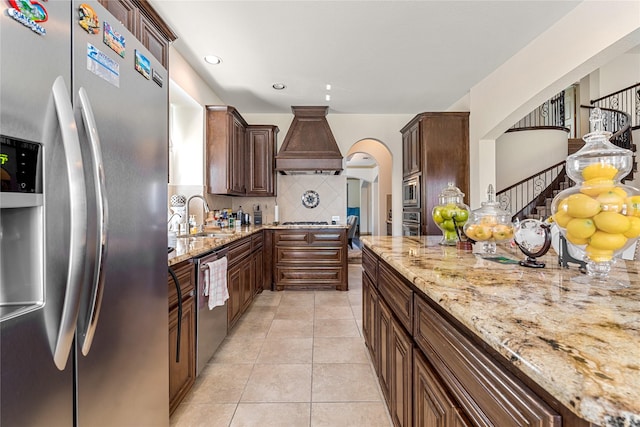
<point x="598" y="255"/>
<point x="612" y="222"/>
<point x="581" y="228"/>
<point x="595" y="186"/>
<point x="609" y="241"/>
<point x="580" y="205"/>
<point x="599" y="170"/>
<point x="634" y="228"/>
<point x="611" y="201"/>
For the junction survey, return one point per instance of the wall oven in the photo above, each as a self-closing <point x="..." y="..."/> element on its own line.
<point x="411" y="192"/>
<point x="410" y="223"/>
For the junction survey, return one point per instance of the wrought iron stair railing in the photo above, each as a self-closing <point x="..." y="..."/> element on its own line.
<point x="531" y="197"/>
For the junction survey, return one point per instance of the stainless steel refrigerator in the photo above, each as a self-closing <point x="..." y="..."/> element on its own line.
<point x="83" y="268"/>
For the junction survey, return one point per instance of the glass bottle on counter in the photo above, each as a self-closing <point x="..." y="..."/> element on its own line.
<point x="193" y="227"/>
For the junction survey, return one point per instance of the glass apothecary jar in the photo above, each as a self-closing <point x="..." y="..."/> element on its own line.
<point x="489" y="224"/>
<point x="450" y="214"/>
<point x="599" y="216"/>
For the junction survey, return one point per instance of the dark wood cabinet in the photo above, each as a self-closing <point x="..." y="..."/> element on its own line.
<point x="245" y="275"/>
<point x="226" y="131"/>
<point x="411" y="150"/>
<point x="239" y="279"/>
<point x="145" y="24"/>
<point x="257" y="258"/>
<point x="433" y="406"/>
<point x="433" y="374"/>
<point x="401" y="375"/>
<point x="384" y="350"/>
<point x="239" y="157"/>
<point x="370" y="315"/>
<point x="182" y="350"/>
<point x="310" y="258"/>
<point x="261" y="151"/>
<point x="436" y="145"/>
<point x="487" y="394"/>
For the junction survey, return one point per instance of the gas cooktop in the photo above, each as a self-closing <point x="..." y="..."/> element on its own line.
<point x="305" y="223"/>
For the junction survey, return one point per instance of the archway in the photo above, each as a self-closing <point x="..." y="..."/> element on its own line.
<point x="378" y="184"/>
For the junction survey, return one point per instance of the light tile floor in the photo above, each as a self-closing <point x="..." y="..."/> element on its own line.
<point x="296" y="358"/>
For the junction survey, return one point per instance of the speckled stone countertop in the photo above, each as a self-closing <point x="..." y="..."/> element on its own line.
<point x="578" y="341"/>
<point x="190" y="247"/>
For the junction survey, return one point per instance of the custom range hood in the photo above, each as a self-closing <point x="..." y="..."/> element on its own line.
<point x="309" y="146"/>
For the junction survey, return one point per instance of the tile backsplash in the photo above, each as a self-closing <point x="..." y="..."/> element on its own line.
<point x="332" y="190"/>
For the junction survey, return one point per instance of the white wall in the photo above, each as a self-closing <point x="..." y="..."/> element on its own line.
<point x="590" y="36"/>
<point x="188" y="94"/>
<point x="622" y="72"/>
<point x="522" y="154"/>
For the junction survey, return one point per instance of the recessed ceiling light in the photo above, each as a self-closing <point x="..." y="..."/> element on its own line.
<point x="327" y="97"/>
<point x="328" y="87"/>
<point x="279" y="86"/>
<point x="212" y="59"/>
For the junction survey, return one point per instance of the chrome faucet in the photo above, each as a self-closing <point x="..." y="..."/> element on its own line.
<point x="204" y="202"/>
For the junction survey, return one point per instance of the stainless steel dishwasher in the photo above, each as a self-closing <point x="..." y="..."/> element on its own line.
<point x="211" y="325"/>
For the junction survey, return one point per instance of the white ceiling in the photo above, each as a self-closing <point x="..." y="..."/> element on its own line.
<point x="380" y="57"/>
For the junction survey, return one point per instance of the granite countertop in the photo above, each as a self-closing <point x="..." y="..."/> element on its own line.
<point x="194" y="246"/>
<point x="578" y="341"/>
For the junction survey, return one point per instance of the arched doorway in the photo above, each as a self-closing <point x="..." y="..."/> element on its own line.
<point x="375" y="178"/>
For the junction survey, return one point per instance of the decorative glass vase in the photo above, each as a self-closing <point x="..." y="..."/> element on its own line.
<point x="489" y="224"/>
<point x="451" y="214"/>
<point x="599" y="217"/>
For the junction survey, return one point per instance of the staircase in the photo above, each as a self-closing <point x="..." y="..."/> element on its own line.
<point x="543" y="211"/>
<point x="532" y="197"/>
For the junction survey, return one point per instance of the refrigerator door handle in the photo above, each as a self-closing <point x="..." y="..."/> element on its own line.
<point x="77" y="223"/>
<point x="97" y="283"/>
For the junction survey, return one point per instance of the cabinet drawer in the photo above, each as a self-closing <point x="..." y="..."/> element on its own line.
<point x="488" y="393"/>
<point x="295" y="255"/>
<point x="290" y="237"/>
<point x="370" y="265"/>
<point x="238" y="250"/>
<point x="311" y="277"/>
<point x="257" y="241"/>
<point x="397" y="294"/>
<point x="185" y="273"/>
<point x="336" y="238"/>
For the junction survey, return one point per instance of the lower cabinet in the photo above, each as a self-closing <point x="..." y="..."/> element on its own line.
<point x="314" y="258"/>
<point x="433" y="405"/>
<point x="432" y="374"/>
<point x="245" y="275"/>
<point x="392" y="351"/>
<point x="182" y="350"/>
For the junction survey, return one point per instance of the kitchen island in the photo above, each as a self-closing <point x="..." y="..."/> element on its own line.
<point x="572" y="349"/>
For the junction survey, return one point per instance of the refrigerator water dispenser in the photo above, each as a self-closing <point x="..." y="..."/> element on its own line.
<point x="21" y="229"/>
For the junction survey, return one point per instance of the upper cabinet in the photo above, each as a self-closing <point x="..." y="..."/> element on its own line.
<point x="145" y="24"/>
<point x="411" y="150"/>
<point x="436" y="145"/>
<point x="224" y="169"/>
<point x="239" y="157"/>
<point x="261" y="150"/>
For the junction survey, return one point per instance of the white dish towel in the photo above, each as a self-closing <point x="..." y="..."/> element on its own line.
<point x="215" y="282"/>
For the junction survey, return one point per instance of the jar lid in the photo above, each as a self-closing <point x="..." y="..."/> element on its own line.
<point x="491" y="207"/>
<point x="451" y="194"/>
<point x="600" y="152"/>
